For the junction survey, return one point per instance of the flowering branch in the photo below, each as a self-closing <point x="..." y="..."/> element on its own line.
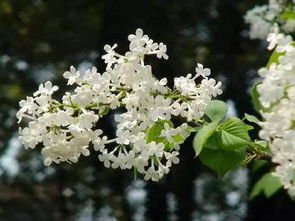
<point x="274" y="95"/>
<point x="158" y="119"/>
<point x="147" y="139"/>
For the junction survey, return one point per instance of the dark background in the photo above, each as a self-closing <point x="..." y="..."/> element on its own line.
<point x="40" y="39"/>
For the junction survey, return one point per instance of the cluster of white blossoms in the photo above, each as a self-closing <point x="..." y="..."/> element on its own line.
<point x="146" y="137"/>
<point x="277" y="96"/>
<point x="262" y="18"/>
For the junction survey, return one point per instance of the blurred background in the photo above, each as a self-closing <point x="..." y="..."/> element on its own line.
<point x="40" y="39"/>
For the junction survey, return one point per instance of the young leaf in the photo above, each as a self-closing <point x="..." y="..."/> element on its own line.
<point x="234" y="134"/>
<point x="258" y="164"/>
<point x="262" y="145"/>
<point x="252" y="119"/>
<point x="288" y="15"/>
<point x="229" y="136"/>
<point x="201" y="137"/>
<point x="214" y="141"/>
<point x="193" y="129"/>
<point x="154" y="131"/>
<point x="274" y="58"/>
<point x="255" y="97"/>
<point x="267" y="184"/>
<point x="222" y="161"/>
<point x="154" y="134"/>
<point x="249" y="127"/>
<point x="216" y="110"/>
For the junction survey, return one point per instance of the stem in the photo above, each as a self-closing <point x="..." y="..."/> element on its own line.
<point x="266" y="157"/>
<point x="192" y="123"/>
<point x="152" y="52"/>
<point x="110" y="141"/>
<point x="256" y="154"/>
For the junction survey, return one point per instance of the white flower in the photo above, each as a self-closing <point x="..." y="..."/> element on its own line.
<point x="201" y="71"/>
<point x="122" y="137"/>
<point x="274" y="37"/>
<point x="32" y="135"/>
<point x="99" y="143"/>
<point x="27" y="105"/>
<point x="105" y="159"/>
<point x="185" y="85"/>
<point x="110" y="57"/>
<point x="46" y="89"/>
<point x="277" y="97"/>
<point x="87" y="120"/>
<point x="152" y="174"/>
<point x="138" y="36"/>
<point x="156" y="149"/>
<point x="71" y="75"/>
<point x="62" y="118"/>
<point x="162" y="51"/>
<point x="168" y="133"/>
<point x="163" y="81"/>
<point x="172" y="157"/>
<point x="264" y="19"/>
<point x="137" y="43"/>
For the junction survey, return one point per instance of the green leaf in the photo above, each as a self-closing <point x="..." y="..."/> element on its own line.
<point x="288" y="15"/>
<point x="193" y="129"/>
<point x="230" y="135"/>
<point x="154" y="134"/>
<point x="154" y="131"/>
<point x="255" y="97"/>
<point x="274" y="58"/>
<point x="267" y="184"/>
<point x="105" y="110"/>
<point x="252" y="119"/>
<point x="222" y="161"/>
<point x="234" y="134"/>
<point x="262" y="145"/>
<point x="178" y="138"/>
<point x="258" y="164"/>
<point x="214" y="141"/>
<point x="249" y="127"/>
<point x="216" y="110"/>
<point x="201" y="137"/>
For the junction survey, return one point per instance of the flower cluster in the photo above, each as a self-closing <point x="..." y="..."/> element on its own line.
<point x="262" y="18"/>
<point x="146" y="139"/>
<point x="277" y="97"/>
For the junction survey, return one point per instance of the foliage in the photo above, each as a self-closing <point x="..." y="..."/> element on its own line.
<point x="225" y="144"/>
<point x="267" y="184"/>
